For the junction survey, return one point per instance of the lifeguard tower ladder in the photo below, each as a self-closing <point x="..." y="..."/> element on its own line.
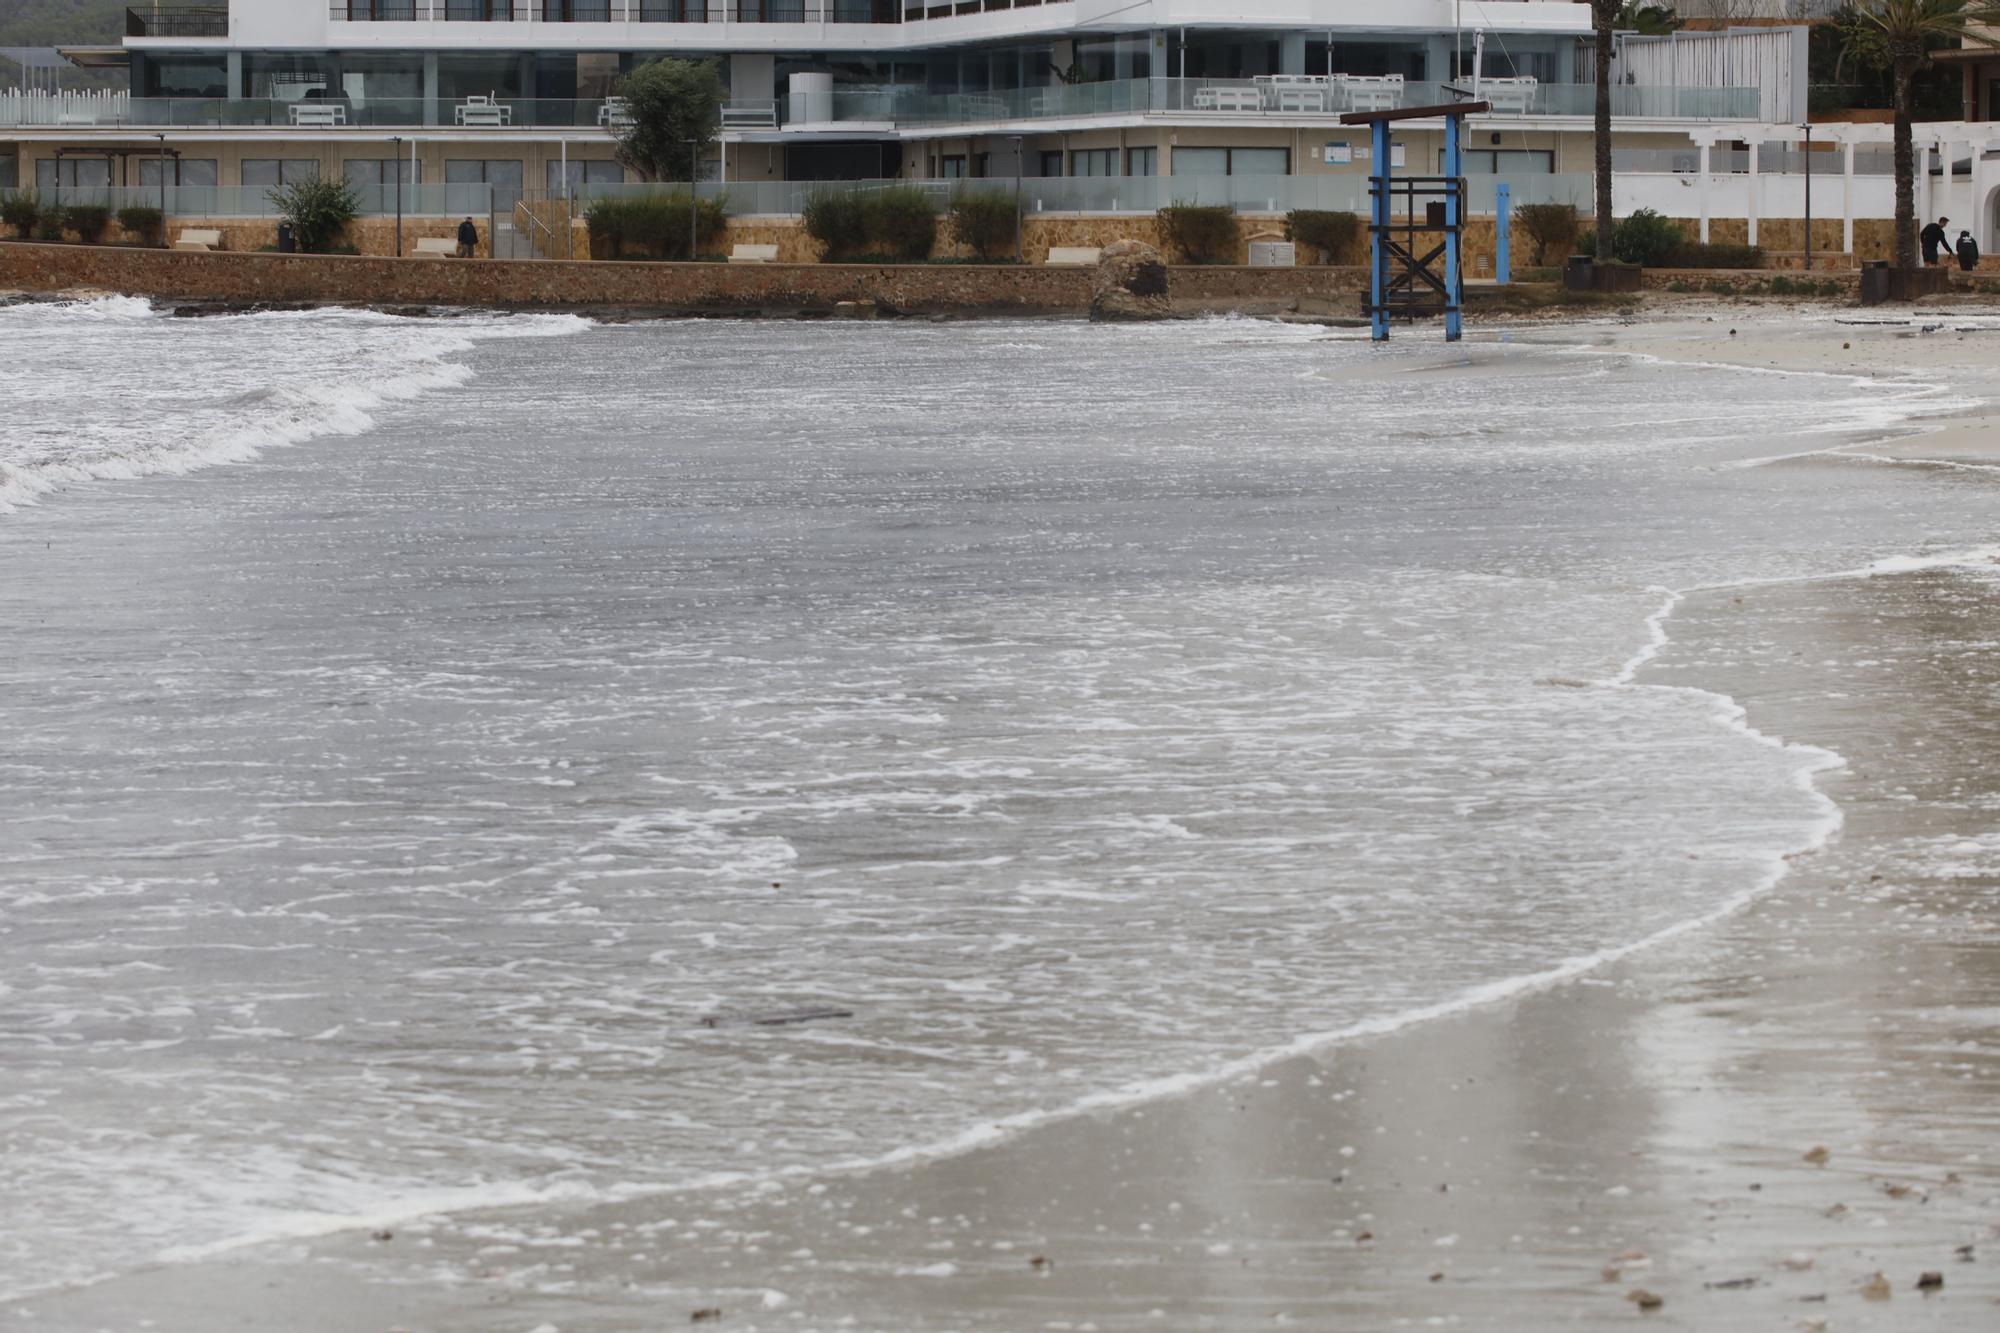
<point x="1402" y="283"/>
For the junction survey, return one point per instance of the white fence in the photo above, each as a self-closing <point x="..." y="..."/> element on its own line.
<point x="1770" y="59"/>
<point x="70" y="108"/>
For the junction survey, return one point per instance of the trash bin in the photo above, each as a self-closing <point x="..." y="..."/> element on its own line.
<point x="1579" y="273"/>
<point x="1874" y="282"/>
<point x="286" y="245"/>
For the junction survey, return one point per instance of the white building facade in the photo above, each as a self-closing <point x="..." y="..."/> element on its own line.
<point x="1095" y="105"/>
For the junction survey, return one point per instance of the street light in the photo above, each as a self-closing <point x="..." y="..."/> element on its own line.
<point x="1017" y="198"/>
<point x="396" y="169"/>
<point x="694" y="186"/>
<point x="1808" y="129"/>
<point x="163" y="187"/>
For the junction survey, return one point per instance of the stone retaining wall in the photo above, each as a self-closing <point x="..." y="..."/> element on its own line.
<point x="367" y="280"/>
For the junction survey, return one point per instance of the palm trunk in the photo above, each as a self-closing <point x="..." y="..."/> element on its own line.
<point x="1906" y="170"/>
<point x="1603" y="15"/>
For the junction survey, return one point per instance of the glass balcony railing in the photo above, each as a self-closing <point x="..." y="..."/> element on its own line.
<point x="1195" y="99"/>
<point x="621" y="11"/>
<point x="1289" y="98"/>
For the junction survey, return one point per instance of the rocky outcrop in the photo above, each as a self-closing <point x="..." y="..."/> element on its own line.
<point x="1131" y="283"/>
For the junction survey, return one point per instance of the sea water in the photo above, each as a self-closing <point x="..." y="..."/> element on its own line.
<point x="440" y="757"/>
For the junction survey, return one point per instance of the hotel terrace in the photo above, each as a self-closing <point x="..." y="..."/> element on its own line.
<point x="1095" y="106"/>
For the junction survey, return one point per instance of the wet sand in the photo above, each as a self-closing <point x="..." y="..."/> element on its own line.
<point x="1749" y="1122"/>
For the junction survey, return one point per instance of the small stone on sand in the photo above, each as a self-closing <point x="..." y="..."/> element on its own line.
<point x="1931" y="1281"/>
<point x="1818" y="1156"/>
<point x="1876" y="1288"/>
<point x="1644" y="1299"/>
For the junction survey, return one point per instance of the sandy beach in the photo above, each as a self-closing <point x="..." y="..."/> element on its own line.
<point x="1784" y="1118"/>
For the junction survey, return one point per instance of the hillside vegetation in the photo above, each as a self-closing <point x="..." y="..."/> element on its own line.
<point x="61" y="22"/>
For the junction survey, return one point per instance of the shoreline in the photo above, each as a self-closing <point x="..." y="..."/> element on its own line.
<point x="1079" y="1141"/>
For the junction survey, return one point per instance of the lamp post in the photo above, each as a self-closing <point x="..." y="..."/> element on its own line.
<point x="1017" y="198"/>
<point x="396" y="168"/>
<point x="1808" y="129"/>
<point x="163" y="187"/>
<point x="694" y="188"/>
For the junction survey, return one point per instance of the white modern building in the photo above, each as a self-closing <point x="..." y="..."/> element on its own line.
<point x="1098" y="105"/>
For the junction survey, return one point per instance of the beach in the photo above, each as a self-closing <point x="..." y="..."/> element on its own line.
<point x="1737" y="1060"/>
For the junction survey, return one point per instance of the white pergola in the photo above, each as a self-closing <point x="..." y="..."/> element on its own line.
<point x="1940" y="141"/>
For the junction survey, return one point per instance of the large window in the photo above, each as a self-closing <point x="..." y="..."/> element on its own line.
<point x="1498" y="161"/>
<point x="184" y="76"/>
<point x="1052" y="163"/>
<point x="1232" y="161"/>
<point x="269" y="171"/>
<point x="72" y="173"/>
<point x="187" y="171"/>
<point x="363" y="172"/>
<point x="1094" y="162"/>
<point x="10" y="169"/>
<point x="584" y="173"/>
<point x="463" y="76"/>
<point x="503" y="172"/>
<point x="288" y="78"/>
<point x="1142" y="161"/>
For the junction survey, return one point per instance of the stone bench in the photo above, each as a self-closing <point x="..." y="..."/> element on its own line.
<point x="1074" y="254"/>
<point x="199" y="238"/>
<point x="436" y="247"/>
<point x="754" y="254"/>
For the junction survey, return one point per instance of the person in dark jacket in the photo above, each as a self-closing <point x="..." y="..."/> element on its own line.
<point x="1968" y="252"/>
<point x="468" y="239"/>
<point x="1934" y="240"/>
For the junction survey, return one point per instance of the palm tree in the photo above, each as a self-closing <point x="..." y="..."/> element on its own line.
<point x="1603" y="14"/>
<point x="1902" y="34"/>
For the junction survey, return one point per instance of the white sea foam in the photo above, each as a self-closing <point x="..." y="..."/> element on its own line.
<point x="1082" y="758"/>
<point x="319" y="374"/>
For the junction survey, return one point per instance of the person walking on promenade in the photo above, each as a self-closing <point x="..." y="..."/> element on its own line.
<point x="468" y="239"/>
<point x="1934" y="240"/>
<point x="1968" y="252"/>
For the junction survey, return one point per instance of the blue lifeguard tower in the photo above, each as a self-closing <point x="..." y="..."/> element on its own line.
<point x="1401" y="282"/>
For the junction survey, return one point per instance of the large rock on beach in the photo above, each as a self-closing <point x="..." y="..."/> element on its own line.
<point x="1131" y="283"/>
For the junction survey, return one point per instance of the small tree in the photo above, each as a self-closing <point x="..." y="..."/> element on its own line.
<point x="21" y="210"/>
<point x="90" y="222"/>
<point x="1333" y="234"/>
<point x="985" y="222"/>
<point x="674" y="109"/>
<point x="1199" y="233"/>
<point x="833" y="218"/>
<point x="50" y="221"/>
<point x="318" y="207"/>
<point x="900" y="222"/>
<point x="1547" y="227"/>
<point x="145" y="223"/>
<point x="1902" y="34"/>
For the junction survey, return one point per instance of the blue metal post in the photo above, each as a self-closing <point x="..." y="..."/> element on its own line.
<point x="1378" y="267"/>
<point x="1503" y="233"/>
<point x="1454" y="314"/>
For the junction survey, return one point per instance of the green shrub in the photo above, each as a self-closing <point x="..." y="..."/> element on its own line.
<point x="1693" y="254"/>
<point x="90" y="222"/>
<point x="833" y="218"/>
<point x="21" y="210"/>
<point x="985" y="221"/>
<point x="1550" y="228"/>
<point x="1199" y="233"/>
<point x="49" y="222"/>
<point x="1646" y="238"/>
<point x="653" y="225"/>
<point x="900" y="222"/>
<point x="319" y="209"/>
<point x="1332" y="234"/>
<point x="148" y="225"/>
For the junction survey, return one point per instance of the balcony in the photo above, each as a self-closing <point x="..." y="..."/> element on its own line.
<point x="1288" y="99"/>
<point x="193" y="21"/>
<point x="117" y="111"/>
<point x="1183" y="101"/>
<point x="623" y="11"/>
